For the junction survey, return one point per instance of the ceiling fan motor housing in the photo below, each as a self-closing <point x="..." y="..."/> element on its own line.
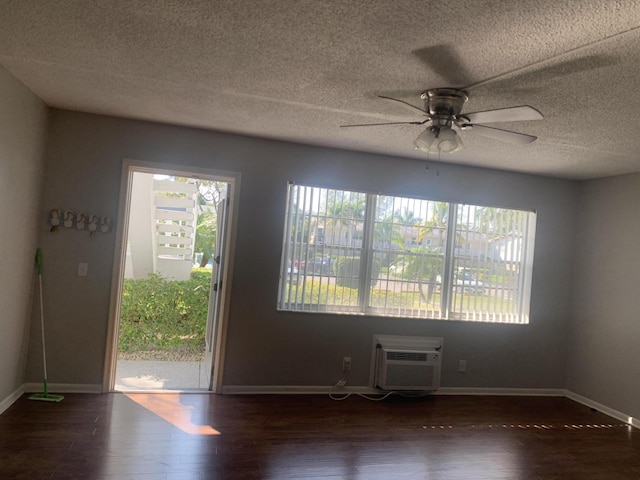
<point x="444" y="102"/>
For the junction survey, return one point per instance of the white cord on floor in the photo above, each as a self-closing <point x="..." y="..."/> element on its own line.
<point x="343" y="381"/>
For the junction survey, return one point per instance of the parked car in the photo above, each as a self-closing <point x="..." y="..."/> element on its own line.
<point x="320" y="264"/>
<point x="397" y="269"/>
<point x="464" y="280"/>
<point x="292" y="273"/>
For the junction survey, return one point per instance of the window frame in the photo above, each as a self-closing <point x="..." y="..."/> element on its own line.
<point x="368" y="252"/>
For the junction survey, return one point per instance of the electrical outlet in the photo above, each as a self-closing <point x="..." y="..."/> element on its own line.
<point x="462" y="366"/>
<point x="346" y="364"/>
<point x="83" y="269"/>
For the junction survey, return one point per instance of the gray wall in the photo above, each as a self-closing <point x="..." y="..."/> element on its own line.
<point x="23" y="119"/>
<point x="266" y="347"/>
<point x="604" y="358"/>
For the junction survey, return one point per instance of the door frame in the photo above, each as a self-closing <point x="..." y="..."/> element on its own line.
<point x="215" y="291"/>
<point x="117" y="275"/>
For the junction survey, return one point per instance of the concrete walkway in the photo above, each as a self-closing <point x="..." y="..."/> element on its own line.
<point x="144" y="375"/>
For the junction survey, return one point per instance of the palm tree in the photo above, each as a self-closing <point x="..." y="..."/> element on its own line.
<point x="407" y="217"/>
<point x="386" y="233"/>
<point x="344" y="212"/>
<point x="437" y="223"/>
<point x="501" y="223"/>
<point x="498" y="221"/>
<point x="428" y="263"/>
<point x="206" y="235"/>
<point x="209" y="195"/>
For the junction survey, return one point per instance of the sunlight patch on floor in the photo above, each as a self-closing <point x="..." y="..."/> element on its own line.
<point x="168" y="407"/>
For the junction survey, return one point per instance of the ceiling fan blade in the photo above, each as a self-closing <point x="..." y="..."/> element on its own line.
<point x="385" y="123"/>
<point x="405" y="93"/>
<point x="511" y="114"/>
<point x="506" y="136"/>
<point x="545" y="70"/>
<point x="445" y="62"/>
<point x="413" y="108"/>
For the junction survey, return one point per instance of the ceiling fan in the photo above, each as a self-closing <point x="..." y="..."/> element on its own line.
<point x="442" y="112"/>
<point x="444" y="117"/>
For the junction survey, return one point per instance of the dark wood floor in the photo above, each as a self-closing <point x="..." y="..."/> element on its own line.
<point x="200" y="436"/>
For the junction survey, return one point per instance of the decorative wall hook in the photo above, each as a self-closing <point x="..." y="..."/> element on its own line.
<point x="68" y="219"/>
<point x="54" y="219"/>
<point x="81" y="221"/>
<point x="105" y="224"/>
<point x="93" y="223"/>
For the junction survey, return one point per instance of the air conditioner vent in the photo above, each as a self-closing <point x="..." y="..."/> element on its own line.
<point x="407" y="363"/>
<point x="407" y="356"/>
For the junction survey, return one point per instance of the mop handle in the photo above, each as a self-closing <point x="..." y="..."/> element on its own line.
<point x="44" y="352"/>
<point x="39" y="261"/>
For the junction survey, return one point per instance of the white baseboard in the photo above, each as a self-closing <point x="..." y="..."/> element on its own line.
<point x="623" y="417"/>
<point x="292" y="390"/>
<point x="318" y="390"/>
<point x="7" y="402"/>
<point x="64" y="387"/>
<point x="529" y="392"/>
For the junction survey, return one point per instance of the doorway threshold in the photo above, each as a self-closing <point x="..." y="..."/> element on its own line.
<point x="157" y="375"/>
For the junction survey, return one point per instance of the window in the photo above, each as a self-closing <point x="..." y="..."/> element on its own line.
<point x="362" y="253"/>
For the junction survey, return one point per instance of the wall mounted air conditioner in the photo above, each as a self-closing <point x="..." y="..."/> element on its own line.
<point x="407" y="363"/>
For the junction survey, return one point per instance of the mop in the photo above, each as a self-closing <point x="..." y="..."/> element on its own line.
<point x="45" y="396"/>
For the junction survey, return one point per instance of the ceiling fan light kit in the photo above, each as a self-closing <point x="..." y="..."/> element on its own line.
<point x="438" y="140"/>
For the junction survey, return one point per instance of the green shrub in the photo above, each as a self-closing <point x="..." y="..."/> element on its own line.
<point x="158" y="314"/>
<point x="348" y="270"/>
<point x="317" y="292"/>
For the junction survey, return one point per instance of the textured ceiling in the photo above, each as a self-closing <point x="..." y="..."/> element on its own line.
<point x="297" y="69"/>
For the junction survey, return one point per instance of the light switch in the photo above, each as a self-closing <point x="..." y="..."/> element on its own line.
<point x="462" y="366"/>
<point x="83" y="268"/>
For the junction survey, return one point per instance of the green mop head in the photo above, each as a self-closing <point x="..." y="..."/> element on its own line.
<point x="46" y="396"/>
